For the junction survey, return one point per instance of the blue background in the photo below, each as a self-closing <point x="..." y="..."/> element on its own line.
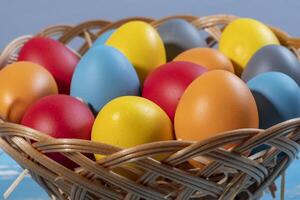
<point x="27" y="17"/>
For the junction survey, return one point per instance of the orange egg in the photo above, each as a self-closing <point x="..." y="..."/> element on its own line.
<point x="215" y="102"/>
<point x="23" y="83"/>
<point x="207" y="57"/>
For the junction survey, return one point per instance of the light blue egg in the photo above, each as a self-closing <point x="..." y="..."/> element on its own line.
<point x="277" y="98"/>
<point x="102" y="38"/>
<point x="103" y="74"/>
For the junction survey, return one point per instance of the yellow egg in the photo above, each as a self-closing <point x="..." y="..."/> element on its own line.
<point x="141" y="44"/>
<point x="129" y="121"/>
<point x="242" y="38"/>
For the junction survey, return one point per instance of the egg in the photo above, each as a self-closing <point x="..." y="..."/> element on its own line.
<point x="103" y="74"/>
<point x="215" y="102"/>
<point x="207" y="57"/>
<point x="103" y="38"/>
<point x="141" y="44"/>
<point x="178" y="35"/>
<point x="277" y="97"/>
<point x="58" y="59"/>
<point x="130" y="121"/>
<point x="23" y="83"/>
<point x="60" y="116"/>
<point x="166" y="84"/>
<point x="242" y="38"/>
<point x="273" y="58"/>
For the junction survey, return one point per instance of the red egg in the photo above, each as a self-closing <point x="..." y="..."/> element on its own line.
<point x="166" y="84"/>
<point x="60" y="116"/>
<point x="59" y="60"/>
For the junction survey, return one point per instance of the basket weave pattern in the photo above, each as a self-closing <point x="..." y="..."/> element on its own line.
<point x="137" y="173"/>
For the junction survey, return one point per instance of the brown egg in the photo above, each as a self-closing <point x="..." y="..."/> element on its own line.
<point x="22" y="83"/>
<point x="207" y="57"/>
<point x="216" y="102"/>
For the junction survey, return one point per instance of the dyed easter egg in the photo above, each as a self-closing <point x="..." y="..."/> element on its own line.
<point x="242" y="38"/>
<point x="103" y="74"/>
<point x="166" y="84"/>
<point x="277" y="98"/>
<point x="207" y="57"/>
<point x="273" y="58"/>
<point x="130" y="121"/>
<point x="103" y="38"/>
<point x="141" y="44"/>
<point x="215" y="102"/>
<point x="60" y="116"/>
<point x="59" y="60"/>
<point x="178" y="35"/>
<point x="23" y="83"/>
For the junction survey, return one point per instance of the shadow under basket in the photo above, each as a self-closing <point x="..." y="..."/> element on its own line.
<point x="159" y="170"/>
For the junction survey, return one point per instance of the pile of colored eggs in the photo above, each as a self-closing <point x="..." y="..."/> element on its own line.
<point x="137" y="85"/>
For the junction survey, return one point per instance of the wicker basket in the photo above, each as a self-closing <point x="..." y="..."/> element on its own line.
<point x="229" y="175"/>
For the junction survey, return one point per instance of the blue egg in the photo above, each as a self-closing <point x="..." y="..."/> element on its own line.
<point x="103" y="74"/>
<point x="277" y="98"/>
<point x="102" y="38"/>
